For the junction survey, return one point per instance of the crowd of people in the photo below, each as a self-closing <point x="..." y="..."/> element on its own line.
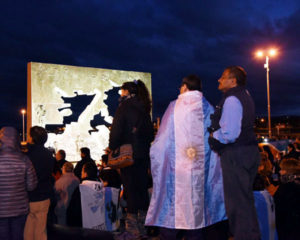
<point x="202" y="176"/>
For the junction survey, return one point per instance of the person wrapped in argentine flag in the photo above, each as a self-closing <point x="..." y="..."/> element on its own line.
<point x="187" y="176"/>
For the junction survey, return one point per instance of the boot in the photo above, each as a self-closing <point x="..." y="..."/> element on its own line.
<point x="131" y="228"/>
<point x="141" y="222"/>
<point x="131" y="224"/>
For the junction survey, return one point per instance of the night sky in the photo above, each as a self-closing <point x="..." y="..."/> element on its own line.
<point x="169" y="39"/>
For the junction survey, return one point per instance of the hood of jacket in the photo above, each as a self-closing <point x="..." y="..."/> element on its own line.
<point x="9" y="139"/>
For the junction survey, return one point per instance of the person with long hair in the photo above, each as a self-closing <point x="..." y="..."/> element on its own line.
<point x="132" y="125"/>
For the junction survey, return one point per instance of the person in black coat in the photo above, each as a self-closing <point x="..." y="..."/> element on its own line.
<point x="60" y="157"/>
<point x="292" y="153"/>
<point x="132" y="125"/>
<point x="287" y="198"/>
<point x="74" y="211"/>
<point x="85" y="158"/>
<point x="39" y="199"/>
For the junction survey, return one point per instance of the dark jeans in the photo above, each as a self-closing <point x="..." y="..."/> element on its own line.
<point x="12" y="228"/>
<point x="239" y="167"/>
<point x="217" y="231"/>
<point x="135" y="182"/>
<point x="178" y="234"/>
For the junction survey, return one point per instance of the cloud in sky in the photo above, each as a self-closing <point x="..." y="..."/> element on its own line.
<point x="170" y="39"/>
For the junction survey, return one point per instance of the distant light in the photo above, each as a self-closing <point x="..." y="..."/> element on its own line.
<point x="262" y="119"/>
<point x="23" y="111"/>
<point x="259" y="53"/>
<point x="265" y="140"/>
<point x="272" y="52"/>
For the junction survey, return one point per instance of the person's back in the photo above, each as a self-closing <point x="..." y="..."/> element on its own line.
<point x="110" y="178"/>
<point x="64" y="188"/>
<point x="132" y="125"/>
<point x="265" y="208"/>
<point x="287" y="198"/>
<point x="85" y="158"/>
<point x="74" y="210"/>
<point x="43" y="162"/>
<point x="17" y="176"/>
<point x="184" y="168"/>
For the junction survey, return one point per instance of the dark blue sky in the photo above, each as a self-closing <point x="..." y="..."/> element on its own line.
<point x="170" y="39"/>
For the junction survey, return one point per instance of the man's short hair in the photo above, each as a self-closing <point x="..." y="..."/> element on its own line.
<point x="239" y="73"/>
<point x="90" y="169"/>
<point x="193" y="82"/>
<point x="68" y="167"/>
<point x="62" y="153"/>
<point x="290" y="165"/>
<point x="39" y="135"/>
<point x="85" y="151"/>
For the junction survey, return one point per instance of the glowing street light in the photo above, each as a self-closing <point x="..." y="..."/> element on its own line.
<point x="23" y="111"/>
<point x="270" y="53"/>
<point x="260" y="54"/>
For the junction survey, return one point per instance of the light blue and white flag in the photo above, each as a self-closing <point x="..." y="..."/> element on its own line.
<point x="265" y="209"/>
<point x="92" y="204"/>
<point x="99" y="206"/>
<point x="187" y="176"/>
<point x="111" y="208"/>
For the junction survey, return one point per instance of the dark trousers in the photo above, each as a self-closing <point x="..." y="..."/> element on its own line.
<point x="12" y="228"/>
<point x="217" y="231"/>
<point x="135" y="182"/>
<point x="239" y="167"/>
<point x="174" y="234"/>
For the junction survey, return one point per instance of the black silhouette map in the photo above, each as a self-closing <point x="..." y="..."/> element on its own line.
<point x="79" y="103"/>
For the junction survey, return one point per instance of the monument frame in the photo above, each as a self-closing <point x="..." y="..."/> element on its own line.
<point x="48" y="83"/>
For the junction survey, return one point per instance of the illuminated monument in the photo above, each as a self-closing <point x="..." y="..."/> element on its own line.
<point x="76" y="104"/>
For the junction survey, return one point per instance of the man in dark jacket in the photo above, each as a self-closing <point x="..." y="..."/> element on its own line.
<point x="17" y="176"/>
<point x="85" y="158"/>
<point x="233" y="137"/>
<point x="43" y="162"/>
<point x="60" y="157"/>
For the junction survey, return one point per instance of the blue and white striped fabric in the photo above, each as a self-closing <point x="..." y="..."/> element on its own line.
<point x="111" y="208"/>
<point x="99" y="206"/>
<point x="187" y="177"/>
<point x="265" y="209"/>
<point x="92" y="204"/>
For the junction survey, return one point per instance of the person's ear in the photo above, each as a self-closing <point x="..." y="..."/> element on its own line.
<point x="234" y="82"/>
<point x="183" y="88"/>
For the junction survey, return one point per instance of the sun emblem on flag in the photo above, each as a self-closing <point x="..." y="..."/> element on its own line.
<point x="191" y="152"/>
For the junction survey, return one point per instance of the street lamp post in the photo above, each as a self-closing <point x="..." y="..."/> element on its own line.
<point x="23" y="111"/>
<point x="271" y="52"/>
<point x="268" y="93"/>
